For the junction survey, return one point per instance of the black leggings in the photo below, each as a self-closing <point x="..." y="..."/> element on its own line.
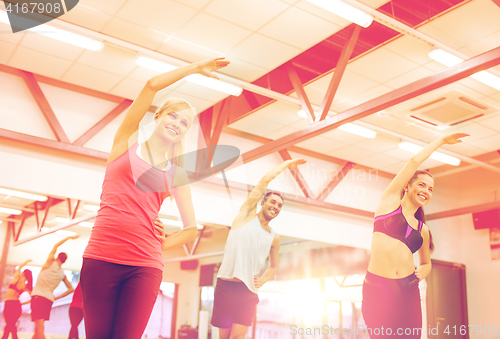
<point x="391" y="307"/>
<point x="117" y="299"/>
<point x="11" y="313"/>
<point x="75" y="317"/>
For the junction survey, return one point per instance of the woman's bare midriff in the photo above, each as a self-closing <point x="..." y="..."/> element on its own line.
<point x="390" y="258"/>
<point x="11" y="295"/>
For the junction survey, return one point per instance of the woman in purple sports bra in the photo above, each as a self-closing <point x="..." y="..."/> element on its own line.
<point x="22" y="282"/>
<point x="391" y="298"/>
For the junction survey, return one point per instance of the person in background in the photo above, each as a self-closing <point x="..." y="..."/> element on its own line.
<point x="75" y="312"/>
<point x="20" y="283"/>
<point x="48" y="279"/>
<point x="250" y="241"/>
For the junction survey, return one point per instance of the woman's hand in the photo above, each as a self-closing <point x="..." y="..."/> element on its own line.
<point x="418" y="274"/>
<point x="159" y="227"/>
<point x="454" y="138"/>
<point x="293" y="163"/>
<point x="256" y="282"/>
<point x="206" y="67"/>
<point x="25" y="263"/>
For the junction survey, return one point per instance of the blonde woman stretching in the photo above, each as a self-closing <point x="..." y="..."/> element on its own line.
<point x="122" y="265"/>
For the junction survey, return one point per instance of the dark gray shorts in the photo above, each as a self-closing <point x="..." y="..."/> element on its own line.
<point x="233" y="303"/>
<point x="40" y="308"/>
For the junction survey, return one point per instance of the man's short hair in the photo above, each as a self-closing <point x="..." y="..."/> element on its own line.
<point x="62" y="257"/>
<point x="275" y="193"/>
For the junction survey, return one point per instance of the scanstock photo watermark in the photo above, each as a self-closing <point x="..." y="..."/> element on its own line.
<point x="24" y="15"/>
<point x="449" y="330"/>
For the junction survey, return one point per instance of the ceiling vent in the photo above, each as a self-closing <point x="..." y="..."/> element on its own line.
<point x="451" y="109"/>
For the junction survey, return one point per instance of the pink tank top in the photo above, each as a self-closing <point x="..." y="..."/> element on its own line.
<point x="132" y="194"/>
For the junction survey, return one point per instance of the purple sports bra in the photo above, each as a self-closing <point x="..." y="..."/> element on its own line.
<point x="13" y="286"/>
<point x="395" y="225"/>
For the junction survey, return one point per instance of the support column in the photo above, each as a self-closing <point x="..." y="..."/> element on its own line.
<point x="5" y="251"/>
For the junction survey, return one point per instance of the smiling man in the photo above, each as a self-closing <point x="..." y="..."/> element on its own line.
<point x="251" y="240"/>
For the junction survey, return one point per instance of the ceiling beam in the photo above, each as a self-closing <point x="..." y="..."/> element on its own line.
<point x="57" y="228"/>
<point x="65" y="85"/>
<point x="419" y="87"/>
<point x="44" y="106"/>
<point x="196" y="241"/>
<point x="103" y="122"/>
<point x="335" y="181"/>
<point x="26" y="209"/>
<point x="338" y="73"/>
<point x="221" y="120"/>
<point x="56" y="145"/>
<point x="464" y="158"/>
<point x="463" y="210"/>
<point x="301" y="181"/>
<point x="301" y="93"/>
<point x="30" y="210"/>
<point x="295" y="198"/>
<point x="304" y="151"/>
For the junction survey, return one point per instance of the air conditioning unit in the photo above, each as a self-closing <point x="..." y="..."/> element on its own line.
<point x="448" y="110"/>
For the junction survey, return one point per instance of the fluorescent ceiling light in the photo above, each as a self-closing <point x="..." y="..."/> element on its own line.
<point x="198" y="79"/>
<point x="92" y="208"/>
<point x="345" y="11"/>
<point x="305" y="115"/>
<point x="66" y="220"/>
<point x="358" y="130"/>
<point x="65" y="233"/>
<point x="351" y="128"/>
<point x="213" y="83"/>
<point x="60" y="34"/>
<point x="171" y="222"/>
<point x="487" y="79"/>
<point x="444" y="58"/>
<point x="407" y="146"/>
<point x="4" y="17"/>
<point x="177" y="223"/>
<point x="10" y="211"/>
<point x="449" y="60"/>
<point x="154" y="65"/>
<point x="22" y="194"/>
<point x="74" y="39"/>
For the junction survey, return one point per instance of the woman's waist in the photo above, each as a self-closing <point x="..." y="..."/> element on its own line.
<point x="120" y="213"/>
<point x="393" y="263"/>
<point x="230" y="279"/>
<point x="122" y="241"/>
<point x="11" y="295"/>
<point x="123" y="245"/>
<point x="391" y="284"/>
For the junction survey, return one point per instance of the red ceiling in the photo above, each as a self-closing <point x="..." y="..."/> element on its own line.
<point x="322" y="58"/>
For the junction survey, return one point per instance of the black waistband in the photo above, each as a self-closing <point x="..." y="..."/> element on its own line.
<point x="378" y="281"/>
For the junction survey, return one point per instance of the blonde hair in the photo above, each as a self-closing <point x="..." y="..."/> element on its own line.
<point x="175" y="153"/>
